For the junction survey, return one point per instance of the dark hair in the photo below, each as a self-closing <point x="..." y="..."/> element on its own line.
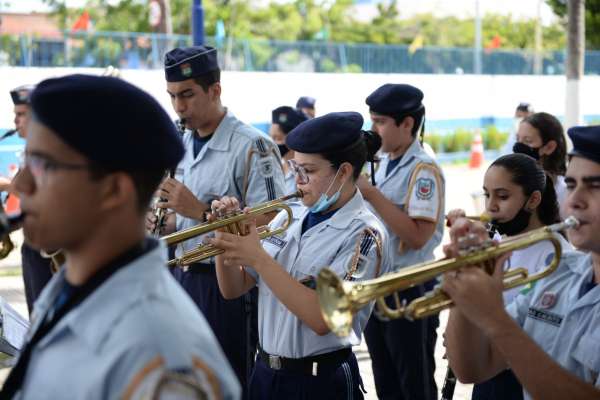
<point x="145" y="181"/>
<point x="208" y="79"/>
<point x="550" y="128"/>
<point x="417" y="117"/>
<point x="528" y="174"/>
<point x="359" y="152"/>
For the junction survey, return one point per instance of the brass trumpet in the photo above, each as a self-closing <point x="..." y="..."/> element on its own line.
<point x="232" y="223"/>
<point x="340" y="300"/>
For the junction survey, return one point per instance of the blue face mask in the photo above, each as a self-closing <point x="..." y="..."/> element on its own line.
<point x="325" y="201"/>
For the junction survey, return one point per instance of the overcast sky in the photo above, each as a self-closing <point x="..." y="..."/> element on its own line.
<point x="460" y="8"/>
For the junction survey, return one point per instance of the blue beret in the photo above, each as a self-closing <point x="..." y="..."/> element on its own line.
<point x="20" y="95"/>
<point x="334" y="131"/>
<point x="111" y="122"/>
<point x="306" y="102"/>
<point x="287" y="118"/>
<point x="190" y="62"/>
<point x="586" y="142"/>
<point x="395" y="100"/>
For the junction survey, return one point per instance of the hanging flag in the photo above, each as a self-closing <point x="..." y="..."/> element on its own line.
<point x="82" y="23"/>
<point x="416" y="44"/>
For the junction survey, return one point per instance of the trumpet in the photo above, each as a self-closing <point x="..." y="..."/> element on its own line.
<point x="340" y="300"/>
<point x="7" y="225"/>
<point x="232" y="224"/>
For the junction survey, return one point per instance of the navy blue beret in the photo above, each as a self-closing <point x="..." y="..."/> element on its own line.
<point x="190" y="62"/>
<point x="287" y="118"/>
<point x="395" y="100"/>
<point x="306" y="102"/>
<point x="111" y="122"/>
<point x="20" y="95"/>
<point x="334" y="131"/>
<point x="586" y="142"/>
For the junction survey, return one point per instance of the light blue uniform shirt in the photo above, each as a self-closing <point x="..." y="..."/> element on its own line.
<point x="565" y="325"/>
<point x="123" y="337"/>
<point x="416" y="186"/>
<point x="331" y="243"/>
<point x="237" y="161"/>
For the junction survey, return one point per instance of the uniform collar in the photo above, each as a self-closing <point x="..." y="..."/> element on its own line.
<point x="222" y="136"/>
<point x="342" y="219"/>
<point x="93" y="319"/>
<point x="414" y="149"/>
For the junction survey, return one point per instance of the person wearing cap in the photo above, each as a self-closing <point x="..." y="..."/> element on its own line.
<point x="283" y="120"/>
<point x="224" y="157"/>
<point x="37" y="270"/>
<point x="112" y="323"/>
<point x="299" y="357"/>
<point x="549" y="336"/>
<point x="409" y="200"/>
<point x="306" y="104"/>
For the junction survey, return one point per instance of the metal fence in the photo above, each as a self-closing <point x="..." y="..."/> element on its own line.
<point x="146" y="50"/>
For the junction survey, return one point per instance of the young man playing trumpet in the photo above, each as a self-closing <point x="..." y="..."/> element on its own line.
<point x="549" y="337"/>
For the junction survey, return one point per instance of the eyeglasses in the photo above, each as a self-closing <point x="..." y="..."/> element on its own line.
<point x="300" y="172"/>
<point x="39" y="166"/>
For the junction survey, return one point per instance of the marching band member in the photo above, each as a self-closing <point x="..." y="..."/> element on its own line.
<point x="299" y="358"/>
<point x="541" y="136"/>
<point x="112" y="321"/>
<point x="283" y="120"/>
<point x="36" y="269"/>
<point x="223" y="157"/>
<point x="409" y="199"/>
<point x="549" y="336"/>
<point x="306" y="104"/>
<point x="519" y="198"/>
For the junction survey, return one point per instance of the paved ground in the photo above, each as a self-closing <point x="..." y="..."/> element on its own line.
<point x="460" y="184"/>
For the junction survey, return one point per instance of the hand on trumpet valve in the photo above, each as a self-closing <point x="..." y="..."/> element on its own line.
<point x="453" y="215"/>
<point x="180" y="199"/>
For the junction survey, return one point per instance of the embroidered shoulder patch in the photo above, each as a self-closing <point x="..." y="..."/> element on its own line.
<point x="425" y="188"/>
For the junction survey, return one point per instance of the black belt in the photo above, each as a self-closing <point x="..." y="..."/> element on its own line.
<point x="312" y="365"/>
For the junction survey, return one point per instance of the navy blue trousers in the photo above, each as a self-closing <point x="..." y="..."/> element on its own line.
<point x="234" y="322"/>
<point x="503" y="386"/>
<point x="402" y="354"/>
<point x="339" y="383"/>
<point x="36" y="273"/>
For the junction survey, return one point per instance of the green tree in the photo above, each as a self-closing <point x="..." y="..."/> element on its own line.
<point x="592" y="19"/>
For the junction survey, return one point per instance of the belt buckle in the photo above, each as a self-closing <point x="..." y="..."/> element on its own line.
<point x="185" y="268"/>
<point x="274" y="362"/>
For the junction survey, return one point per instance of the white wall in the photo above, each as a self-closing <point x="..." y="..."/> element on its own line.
<point x="252" y="95"/>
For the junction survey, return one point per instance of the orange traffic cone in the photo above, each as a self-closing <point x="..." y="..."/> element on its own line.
<point x="13" y="205"/>
<point x="476" y="151"/>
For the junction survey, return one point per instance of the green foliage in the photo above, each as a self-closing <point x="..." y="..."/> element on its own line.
<point x="333" y="20"/>
<point x="460" y="140"/>
<point x="435" y="140"/>
<point x="493" y="139"/>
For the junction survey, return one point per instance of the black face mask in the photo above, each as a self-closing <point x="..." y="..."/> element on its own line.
<point x="515" y="225"/>
<point x="527" y="150"/>
<point x="283" y="149"/>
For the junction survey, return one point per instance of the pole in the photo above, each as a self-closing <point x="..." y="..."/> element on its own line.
<point x="575" y="61"/>
<point x="478" y="50"/>
<point x="197" y="23"/>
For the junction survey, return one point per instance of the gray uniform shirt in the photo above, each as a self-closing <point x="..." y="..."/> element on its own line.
<point x="416" y="186"/>
<point x="331" y="243"/>
<point x="123" y="337"/>
<point x="237" y="161"/>
<point x="563" y="323"/>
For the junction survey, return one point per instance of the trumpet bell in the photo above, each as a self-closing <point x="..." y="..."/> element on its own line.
<point x="335" y="307"/>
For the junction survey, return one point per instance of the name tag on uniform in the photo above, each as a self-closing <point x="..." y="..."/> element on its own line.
<point x="276" y="241"/>
<point x="545" y="316"/>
